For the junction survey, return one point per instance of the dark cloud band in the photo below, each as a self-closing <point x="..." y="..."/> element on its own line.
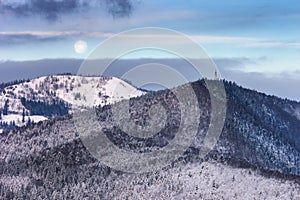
<point x="279" y="85"/>
<point x="53" y="9"/>
<point x="119" y="8"/>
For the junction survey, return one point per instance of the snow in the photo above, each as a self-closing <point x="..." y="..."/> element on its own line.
<point x="66" y="87"/>
<point x="118" y="90"/>
<point x="99" y="91"/>
<point x="36" y="118"/>
<point x="15" y="182"/>
<point x="18" y="119"/>
<point x="297" y="113"/>
<point x="12" y="117"/>
<point x="208" y="180"/>
<point x="78" y="91"/>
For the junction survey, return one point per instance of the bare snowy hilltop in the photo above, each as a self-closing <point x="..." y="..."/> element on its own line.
<point x="50" y="96"/>
<point x="256" y="157"/>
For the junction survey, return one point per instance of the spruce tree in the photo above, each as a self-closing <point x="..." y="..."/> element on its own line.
<point x="5" y="109"/>
<point x="23" y="116"/>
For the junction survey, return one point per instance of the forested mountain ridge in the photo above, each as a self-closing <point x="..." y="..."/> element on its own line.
<point x="262" y="130"/>
<point x="261" y="133"/>
<point x="259" y="129"/>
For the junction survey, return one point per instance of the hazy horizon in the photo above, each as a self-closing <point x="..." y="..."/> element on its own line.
<point x="273" y="85"/>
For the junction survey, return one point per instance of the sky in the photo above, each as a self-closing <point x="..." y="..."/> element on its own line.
<point x="255" y="43"/>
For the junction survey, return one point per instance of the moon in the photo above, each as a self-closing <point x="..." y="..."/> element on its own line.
<point x="80" y="46"/>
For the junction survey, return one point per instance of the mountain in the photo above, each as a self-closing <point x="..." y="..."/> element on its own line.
<point x="49" y="96"/>
<point x="256" y="157"/>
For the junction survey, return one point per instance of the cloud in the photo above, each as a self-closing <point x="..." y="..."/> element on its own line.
<point x="274" y="44"/>
<point x="11" y="70"/>
<point x="53" y="9"/>
<point x="14" y="70"/>
<point x="50" y="9"/>
<point x="23" y="38"/>
<point x="283" y="84"/>
<point x="119" y="8"/>
<point x="165" y="38"/>
<point x="221" y="39"/>
<point x="226" y="64"/>
<point x="40" y="36"/>
<point x="56" y="33"/>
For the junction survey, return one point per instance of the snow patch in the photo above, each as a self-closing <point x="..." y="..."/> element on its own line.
<point x="18" y="119"/>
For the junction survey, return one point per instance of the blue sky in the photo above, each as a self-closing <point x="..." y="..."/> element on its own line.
<point x="263" y="37"/>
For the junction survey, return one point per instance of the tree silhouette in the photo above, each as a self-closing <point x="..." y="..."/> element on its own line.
<point x="23" y="115"/>
<point x="5" y="109"/>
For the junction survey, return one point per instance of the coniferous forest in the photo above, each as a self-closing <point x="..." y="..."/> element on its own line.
<point x="55" y="108"/>
<point x="48" y="160"/>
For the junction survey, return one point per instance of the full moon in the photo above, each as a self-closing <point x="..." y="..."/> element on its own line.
<point x="80" y="46"/>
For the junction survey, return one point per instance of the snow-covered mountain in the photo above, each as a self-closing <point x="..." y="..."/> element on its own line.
<point x="73" y="92"/>
<point x="256" y="157"/>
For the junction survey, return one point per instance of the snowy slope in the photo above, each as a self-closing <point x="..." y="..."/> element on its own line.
<point x="76" y="91"/>
<point x="49" y="161"/>
<point x="18" y="119"/>
<point x="208" y="180"/>
<point x="54" y="144"/>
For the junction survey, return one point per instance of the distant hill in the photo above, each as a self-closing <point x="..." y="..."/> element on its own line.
<point x="50" y="96"/>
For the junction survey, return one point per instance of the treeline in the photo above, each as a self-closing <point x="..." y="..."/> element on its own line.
<point x="4" y="85"/>
<point x="56" y="108"/>
<point x="7" y="126"/>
